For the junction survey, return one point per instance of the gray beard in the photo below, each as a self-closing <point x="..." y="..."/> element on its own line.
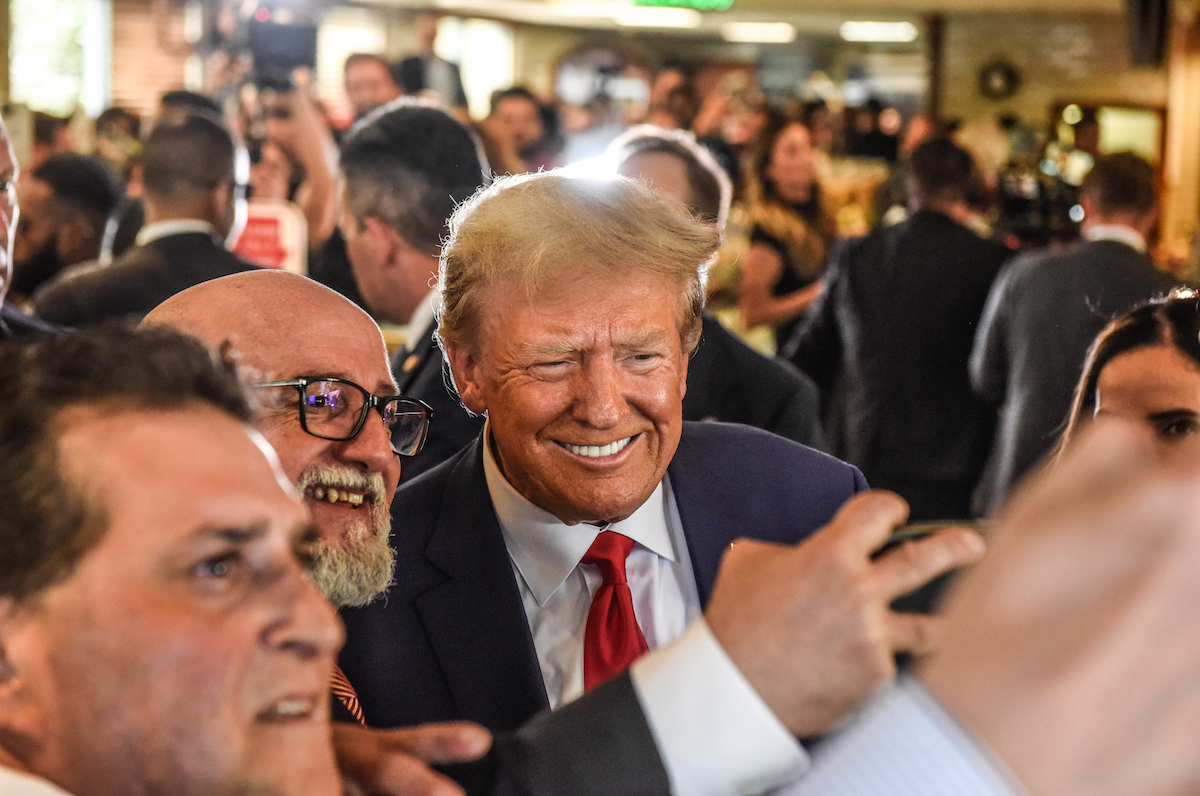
<point x="355" y="572"/>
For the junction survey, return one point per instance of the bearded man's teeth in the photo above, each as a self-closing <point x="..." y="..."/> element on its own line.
<point x="332" y="495"/>
<point x="599" y="451"/>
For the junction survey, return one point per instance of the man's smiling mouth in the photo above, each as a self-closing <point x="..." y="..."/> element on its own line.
<point x="597" y="451"/>
<point x="334" y="495"/>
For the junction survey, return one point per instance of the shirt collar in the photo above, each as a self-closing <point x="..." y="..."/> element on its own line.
<point x="422" y="317"/>
<point x="546" y="550"/>
<point x="175" y="226"/>
<point x="1117" y="232"/>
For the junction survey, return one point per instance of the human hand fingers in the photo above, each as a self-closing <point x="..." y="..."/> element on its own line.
<point x="1083" y="610"/>
<point x="445" y="742"/>
<point x="915" y="634"/>
<point x="863" y="524"/>
<point x="395" y="762"/>
<point x="918" y="561"/>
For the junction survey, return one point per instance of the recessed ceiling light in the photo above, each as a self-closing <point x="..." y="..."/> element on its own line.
<point x="878" y="31"/>
<point x="758" y="32"/>
<point x="657" y="17"/>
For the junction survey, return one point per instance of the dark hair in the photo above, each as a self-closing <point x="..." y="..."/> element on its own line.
<point x="516" y="92"/>
<point x="941" y="171"/>
<point x="362" y="58"/>
<point x="50" y="523"/>
<point x="761" y="162"/>
<point x="704" y="187"/>
<point x="47" y="127"/>
<point x="187" y="153"/>
<point x="409" y="165"/>
<point x="123" y="118"/>
<point x="1121" y="182"/>
<point x="189" y="101"/>
<point x="1173" y="320"/>
<point x="83" y="182"/>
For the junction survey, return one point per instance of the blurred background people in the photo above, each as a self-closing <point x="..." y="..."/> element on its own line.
<point x="727" y="380"/>
<point x="888" y="342"/>
<point x="790" y="233"/>
<point x="1046" y="308"/>
<point x="193" y="195"/>
<point x="515" y="134"/>
<point x="369" y="83"/>
<point x="65" y="204"/>
<point x="425" y="73"/>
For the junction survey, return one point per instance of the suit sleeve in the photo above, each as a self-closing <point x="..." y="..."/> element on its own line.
<point x="989" y="364"/>
<point x="816" y="347"/>
<point x="597" y="745"/>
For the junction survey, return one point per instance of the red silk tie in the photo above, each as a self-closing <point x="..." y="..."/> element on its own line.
<point x="612" y="639"/>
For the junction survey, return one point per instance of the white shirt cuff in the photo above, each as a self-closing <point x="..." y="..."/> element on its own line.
<point x="714" y="732"/>
<point x="904" y="744"/>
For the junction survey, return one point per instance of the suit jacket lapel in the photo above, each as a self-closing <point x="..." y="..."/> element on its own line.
<point x="475" y="620"/>
<point x="701" y="512"/>
<point x="413" y="358"/>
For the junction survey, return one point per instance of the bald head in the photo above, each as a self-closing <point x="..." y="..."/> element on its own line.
<point x="265" y="316"/>
<point x="286" y="328"/>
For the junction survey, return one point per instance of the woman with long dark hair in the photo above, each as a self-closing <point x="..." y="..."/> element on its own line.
<point x="1145" y="368"/>
<point x="790" y="233"/>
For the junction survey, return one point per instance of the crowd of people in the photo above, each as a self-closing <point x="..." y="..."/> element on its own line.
<point x="574" y="535"/>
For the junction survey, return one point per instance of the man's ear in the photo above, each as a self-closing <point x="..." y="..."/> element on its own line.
<point x="464" y="366"/>
<point x="385" y="240"/>
<point x="19" y="715"/>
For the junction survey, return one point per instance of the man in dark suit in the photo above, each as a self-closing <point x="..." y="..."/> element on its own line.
<point x="193" y="179"/>
<point x="405" y="170"/>
<point x="1047" y="307"/>
<point x="574" y="336"/>
<point x="889" y="339"/>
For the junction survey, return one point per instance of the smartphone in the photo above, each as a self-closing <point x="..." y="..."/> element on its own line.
<point x="927" y="598"/>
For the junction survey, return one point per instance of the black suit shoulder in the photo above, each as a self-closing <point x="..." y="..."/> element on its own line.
<point x="137" y="282"/>
<point x="729" y="381"/>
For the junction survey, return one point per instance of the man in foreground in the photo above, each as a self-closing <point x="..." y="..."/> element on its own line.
<point x="159" y="632"/>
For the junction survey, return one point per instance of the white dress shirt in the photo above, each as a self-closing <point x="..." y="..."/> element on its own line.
<point x="557" y="590"/>
<point x="176" y="226"/>
<point x="13" y="783"/>
<point x="714" y="733"/>
<point x="1118" y="232"/>
<point x="904" y="744"/>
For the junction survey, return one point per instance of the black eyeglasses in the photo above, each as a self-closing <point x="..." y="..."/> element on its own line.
<point x="336" y="409"/>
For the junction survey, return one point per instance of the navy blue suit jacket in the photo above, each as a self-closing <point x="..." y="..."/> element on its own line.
<point x="451" y="640"/>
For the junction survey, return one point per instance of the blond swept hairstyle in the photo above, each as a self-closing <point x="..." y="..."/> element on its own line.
<point x="532" y="229"/>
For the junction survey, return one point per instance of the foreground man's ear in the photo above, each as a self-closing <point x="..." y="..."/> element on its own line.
<point x="19" y="718"/>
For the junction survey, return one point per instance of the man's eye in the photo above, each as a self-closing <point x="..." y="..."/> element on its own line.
<point x="218" y="566"/>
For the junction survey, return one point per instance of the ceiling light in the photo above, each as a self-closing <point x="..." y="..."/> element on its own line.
<point x="878" y="31"/>
<point x="652" y="17"/>
<point x="758" y="32"/>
